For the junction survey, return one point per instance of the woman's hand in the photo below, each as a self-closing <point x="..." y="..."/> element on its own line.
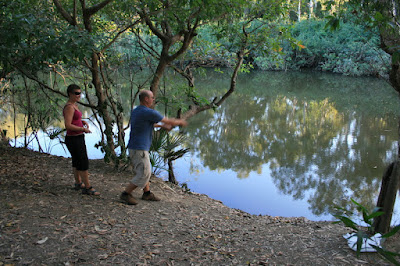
<point x="86" y="130"/>
<point x="86" y="127"/>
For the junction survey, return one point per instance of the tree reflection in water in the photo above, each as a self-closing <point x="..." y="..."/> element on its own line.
<point x="326" y="134"/>
<point x="318" y="138"/>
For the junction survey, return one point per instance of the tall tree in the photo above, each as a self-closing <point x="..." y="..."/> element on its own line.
<point x="72" y="34"/>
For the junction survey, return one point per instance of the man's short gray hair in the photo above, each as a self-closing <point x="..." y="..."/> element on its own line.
<point x="143" y="94"/>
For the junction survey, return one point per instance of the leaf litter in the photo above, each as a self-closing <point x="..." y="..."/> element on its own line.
<point x="43" y="221"/>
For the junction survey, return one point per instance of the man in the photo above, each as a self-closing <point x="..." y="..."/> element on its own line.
<point x="143" y="120"/>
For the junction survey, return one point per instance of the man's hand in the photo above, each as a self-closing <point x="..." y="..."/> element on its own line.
<point x="167" y="127"/>
<point x="184" y="123"/>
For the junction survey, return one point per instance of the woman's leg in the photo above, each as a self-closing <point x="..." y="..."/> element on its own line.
<point x="85" y="178"/>
<point x="76" y="176"/>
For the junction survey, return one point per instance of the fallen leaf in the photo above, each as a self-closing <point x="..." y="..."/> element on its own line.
<point x="40" y="242"/>
<point x="103" y="256"/>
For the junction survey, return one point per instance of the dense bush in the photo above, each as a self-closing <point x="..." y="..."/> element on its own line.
<point x="351" y="50"/>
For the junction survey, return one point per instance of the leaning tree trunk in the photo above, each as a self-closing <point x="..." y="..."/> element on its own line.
<point x="109" y="147"/>
<point x="162" y="65"/>
<point x="387" y="198"/>
<point x="183" y="37"/>
<point x="171" y="175"/>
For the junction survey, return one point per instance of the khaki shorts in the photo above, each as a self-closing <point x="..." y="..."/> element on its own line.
<point x="140" y="161"/>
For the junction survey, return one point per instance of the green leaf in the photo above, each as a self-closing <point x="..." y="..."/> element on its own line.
<point x="360" y="239"/>
<point x="392" y="232"/>
<point x="347" y="222"/>
<point x="375" y="214"/>
<point x="378" y="16"/>
<point x="396" y="57"/>
<point x="387" y="255"/>
<point x="333" y="23"/>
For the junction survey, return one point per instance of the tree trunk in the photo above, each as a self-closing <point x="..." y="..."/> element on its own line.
<point x="109" y="147"/>
<point x="387" y="197"/>
<point x="94" y="66"/>
<point x="390" y="39"/>
<point x="162" y="65"/>
<point x="299" y="11"/>
<point x="171" y="175"/>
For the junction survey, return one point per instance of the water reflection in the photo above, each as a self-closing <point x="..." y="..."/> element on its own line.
<point x="324" y="139"/>
<point x="289" y="144"/>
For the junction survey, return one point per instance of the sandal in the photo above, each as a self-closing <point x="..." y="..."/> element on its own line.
<point x="79" y="186"/>
<point x="90" y="191"/>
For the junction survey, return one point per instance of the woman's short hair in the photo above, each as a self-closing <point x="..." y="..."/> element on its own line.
<point x="71" y="88"/>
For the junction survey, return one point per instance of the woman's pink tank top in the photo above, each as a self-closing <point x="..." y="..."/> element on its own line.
<point x="76" y="121"/>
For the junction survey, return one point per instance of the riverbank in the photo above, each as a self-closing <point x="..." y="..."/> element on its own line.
<point x="44" y="221"/>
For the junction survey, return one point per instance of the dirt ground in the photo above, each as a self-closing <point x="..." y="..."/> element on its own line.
<point x="43" y="221"/>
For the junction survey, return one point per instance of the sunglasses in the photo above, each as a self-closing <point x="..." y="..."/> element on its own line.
<point x="77" y="92"/>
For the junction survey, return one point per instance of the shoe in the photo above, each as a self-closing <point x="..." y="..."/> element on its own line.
<point x="150" y="196"/>
<point x="90" y="191"/>
<point x="128" y="198"/>
<point x="78" y="186"/>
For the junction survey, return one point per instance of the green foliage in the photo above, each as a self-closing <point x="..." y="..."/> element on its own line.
<point x="368" y="217"/>
<point x="32" y="38"/>
<point x="379" y="15"/>
<point x="55" y="134"/>
<point x="164" y="147"/>
<point x="350" y="50"/>
<point x="185" y="188"/>
<point x="209" y="50"/>
<point x="42" y="112"/>
<point x="362" y="234"/>
<point x="129" y="49"/>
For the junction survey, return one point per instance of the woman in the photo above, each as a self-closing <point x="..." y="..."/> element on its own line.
<point x="75" y="141"/>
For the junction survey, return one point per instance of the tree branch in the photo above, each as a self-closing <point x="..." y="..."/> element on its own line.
<point x="118" y="34"/>
<point x="150" y="24"/>
<point x="187" y="40"/>
<point x="92" y="10"/>
<point x="64" y="13"/>
<point x="32" y="77"/>
<point x="148" y="48"/>
<point x="197" y="109"/>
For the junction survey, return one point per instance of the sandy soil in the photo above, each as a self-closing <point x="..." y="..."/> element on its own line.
<point x="43" y="221"/>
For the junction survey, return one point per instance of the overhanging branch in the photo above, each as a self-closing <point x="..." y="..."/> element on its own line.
<point x="43" y="85"/>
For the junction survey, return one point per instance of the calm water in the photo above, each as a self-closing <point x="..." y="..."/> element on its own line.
<point x="289" y="144"/>
<point x="295" y="144"/>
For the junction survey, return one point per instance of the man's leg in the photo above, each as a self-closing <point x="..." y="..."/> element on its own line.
<point x="127" y="197"/>
<point x="130" y="187"/>
<point x="146" y="187"/>
<point x="147" y="195"/>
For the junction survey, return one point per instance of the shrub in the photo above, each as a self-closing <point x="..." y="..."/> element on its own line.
<point x="351" y="50"/>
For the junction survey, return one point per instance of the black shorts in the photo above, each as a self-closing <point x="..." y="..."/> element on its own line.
<point x="77" y="147"/>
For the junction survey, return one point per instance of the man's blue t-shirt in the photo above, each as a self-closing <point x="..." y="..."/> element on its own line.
<point x="142" y="125"/>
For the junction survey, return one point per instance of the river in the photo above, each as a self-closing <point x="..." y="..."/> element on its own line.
<point x="289" y="143"/>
